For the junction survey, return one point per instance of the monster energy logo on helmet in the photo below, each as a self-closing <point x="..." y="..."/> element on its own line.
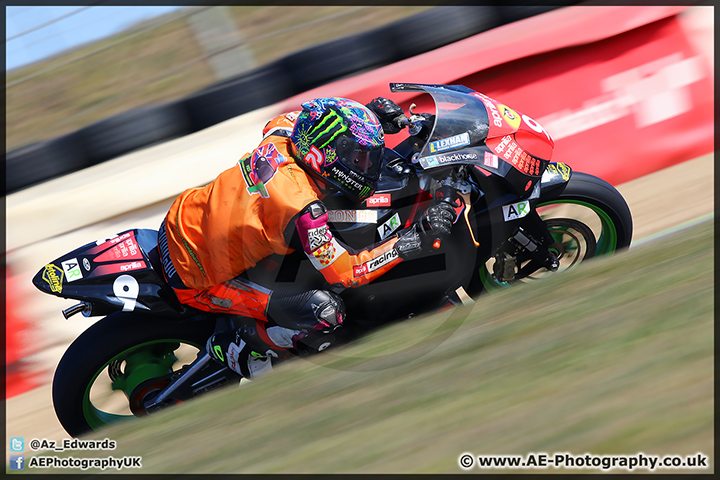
<point x="317" y="125"/>
<point x="331" y="125"/>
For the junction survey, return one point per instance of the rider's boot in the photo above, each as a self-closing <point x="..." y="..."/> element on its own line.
<point x="302" y="325"/>
<point x="242" y="351"/>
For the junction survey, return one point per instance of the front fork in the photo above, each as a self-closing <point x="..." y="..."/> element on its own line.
<point x="532" y="243"/>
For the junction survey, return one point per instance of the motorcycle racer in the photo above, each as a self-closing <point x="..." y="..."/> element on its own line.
<point x="271" y="203"/>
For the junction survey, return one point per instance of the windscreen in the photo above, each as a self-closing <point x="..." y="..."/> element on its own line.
<point x="461" y="121"/>
<point x="460" y="132"/>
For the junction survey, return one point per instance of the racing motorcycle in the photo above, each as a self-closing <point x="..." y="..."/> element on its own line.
<point x="520" y="217"/>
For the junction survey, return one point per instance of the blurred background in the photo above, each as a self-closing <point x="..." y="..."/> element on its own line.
<point x="175" y="70"/>
<point x="70" y="66"/>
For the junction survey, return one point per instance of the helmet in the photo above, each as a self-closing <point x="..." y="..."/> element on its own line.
<point x="339" y="142"/>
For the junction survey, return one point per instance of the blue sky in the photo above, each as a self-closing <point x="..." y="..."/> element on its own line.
<point x="84" y="24"/>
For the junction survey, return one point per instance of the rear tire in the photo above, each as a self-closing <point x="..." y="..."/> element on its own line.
<point x="111" y="340"/>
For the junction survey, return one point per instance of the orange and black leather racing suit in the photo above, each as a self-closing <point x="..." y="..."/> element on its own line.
<point x="213" y="234"/>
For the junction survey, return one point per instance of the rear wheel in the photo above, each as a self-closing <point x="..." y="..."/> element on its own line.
<point x="121" y="357"/>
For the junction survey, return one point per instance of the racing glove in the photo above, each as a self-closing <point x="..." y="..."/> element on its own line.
<point x="389" y="113"/>
<point x="409" y="243"/>
<point x="436" y="221"/>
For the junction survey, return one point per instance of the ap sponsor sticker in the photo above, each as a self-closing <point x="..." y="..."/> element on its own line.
<point x="516" y="210"/>
<point x="72" y="270"/>
<point x="389" y="227"/>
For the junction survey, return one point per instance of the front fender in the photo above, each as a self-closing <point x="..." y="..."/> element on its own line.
<point x="555" y="178"/>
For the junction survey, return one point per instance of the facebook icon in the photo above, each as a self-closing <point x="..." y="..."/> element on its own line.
<point x="17" y="462"/>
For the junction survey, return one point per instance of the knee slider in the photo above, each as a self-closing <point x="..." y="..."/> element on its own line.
<point x="330" y="308"/>
<point x="308" y="310"/>
<point x="329" y="312"/>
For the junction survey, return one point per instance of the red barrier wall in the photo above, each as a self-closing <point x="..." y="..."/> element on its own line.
<point x="18" y="376"/>
<point x="621" y="89"/>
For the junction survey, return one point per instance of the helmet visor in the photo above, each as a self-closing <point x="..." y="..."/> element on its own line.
<point x="359" y="158"/>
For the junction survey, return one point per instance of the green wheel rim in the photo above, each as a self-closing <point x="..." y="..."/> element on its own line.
<point x="607" y="241"/>
<point x="97" y="418"/>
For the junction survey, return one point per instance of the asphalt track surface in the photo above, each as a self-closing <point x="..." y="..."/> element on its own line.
<point x="660" y="203"/>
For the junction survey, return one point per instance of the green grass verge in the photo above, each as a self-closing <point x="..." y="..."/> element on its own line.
<point x="615" y="357"/>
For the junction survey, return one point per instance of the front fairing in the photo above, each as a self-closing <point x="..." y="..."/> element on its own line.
<point x="473" y="129"/>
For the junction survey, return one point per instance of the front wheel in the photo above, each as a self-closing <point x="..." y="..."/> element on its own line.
<point x="120" y="354"/>
<point x="598" y="205"/>
<point x="588" y="218"/>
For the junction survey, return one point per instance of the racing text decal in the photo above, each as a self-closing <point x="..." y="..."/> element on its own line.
<point x="375" y="263"/>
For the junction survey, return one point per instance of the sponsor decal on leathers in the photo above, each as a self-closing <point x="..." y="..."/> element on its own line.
<point x="375" y="263"/>
<point x="233" y="354"/>
<point x="326" y="254"/>
<point x="318" y="236"/>
<point x="352" y="216"/>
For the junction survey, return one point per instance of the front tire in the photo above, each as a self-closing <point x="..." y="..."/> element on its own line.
<point x="598" y="204"/>
<point x="119" y="352"/>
